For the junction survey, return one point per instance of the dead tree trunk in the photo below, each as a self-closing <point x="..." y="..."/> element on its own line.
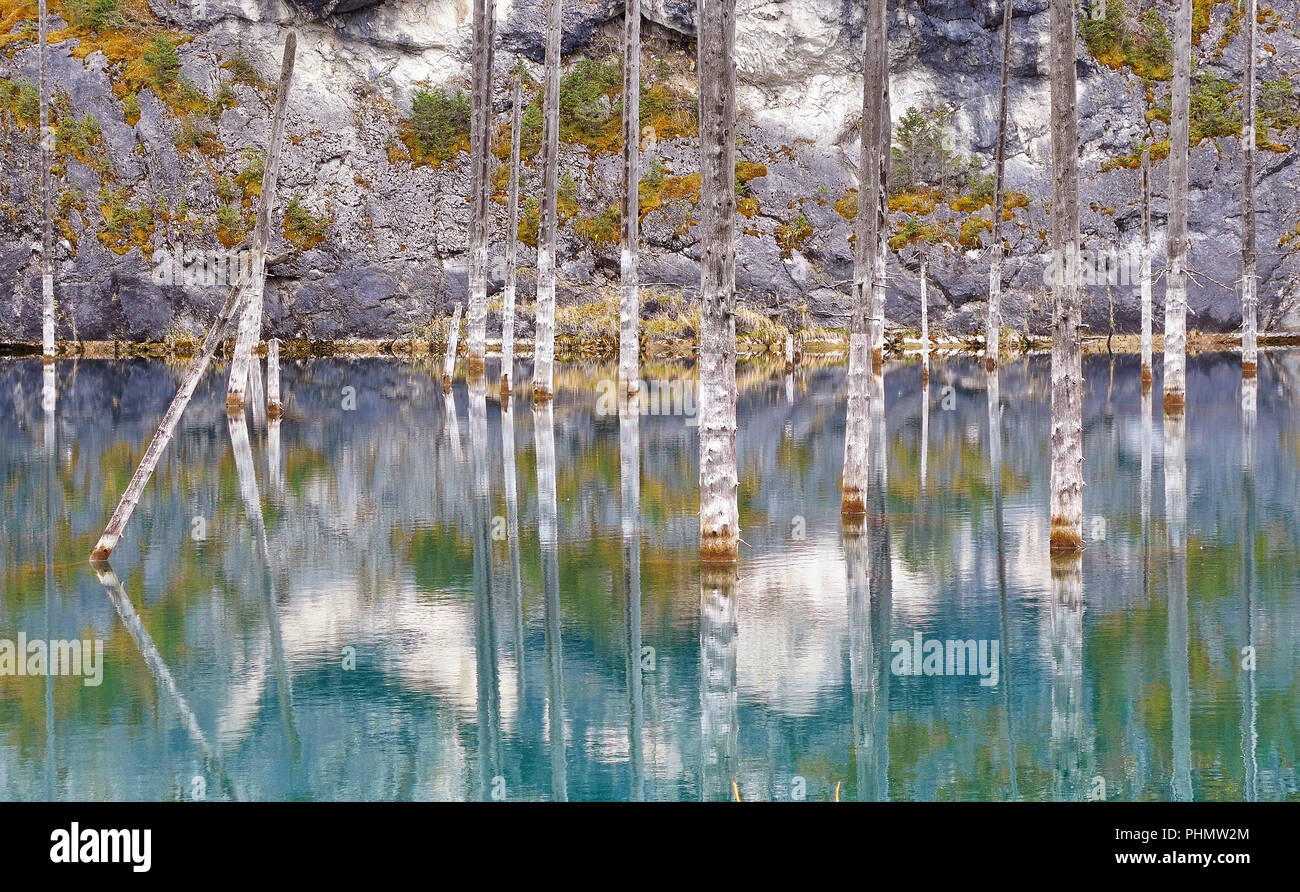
<point x="544" y="334"/>
<point x="46" y="137"/>
<point x="991" y="338"/>
<point x="719" y="512"/>
<point x="857" y="423"/>
<point x="113" y="532"/>
<point x="480" y="175"/>
<point x="273" y="407"/>
<point x="925" y="322"/>
<point x="629" y="314"/>
<point x="1145" y="269"/>
<point x="885" y="139"/>
<point x="1175" y="373"/>
<point x="250" y="321"/>
<point x="1067" y="368"/>
<point x="1248" y="280"/>
<point x="512" y="241"/>
<point x="453" y="337"/>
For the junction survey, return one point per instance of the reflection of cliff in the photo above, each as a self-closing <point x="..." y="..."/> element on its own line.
<point x="372" y="540"/>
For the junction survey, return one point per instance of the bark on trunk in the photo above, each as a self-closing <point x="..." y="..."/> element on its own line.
<point x="544" y="336"/>
<point x="480" y="177"/>
<point x="719" y="513"/>
<point x="453" y="338"/>
<point x="512" y="241"/>
<point x="629" y="328"/>
<point x="46" y="137"/>
<point x="857" y="420"/>
<point x="1248" y="280"/>
<point x="1067" y="369"/>
<point x="250" y="320"/>
<point x="113" y="532"/>
<point x="1175" y="371"/>
<point x="274" y="409"/>
<point x="885" y="139"/>
<point x="1145" y="271"/>
<point x="925" y="323"/>
<point x="991" y="338"/>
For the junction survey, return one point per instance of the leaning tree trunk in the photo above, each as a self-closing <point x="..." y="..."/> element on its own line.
<point x="719" y="512"/>
<point x="1175" y="372"/>
<point x="629" y="313"/>
<point x="512" y="241"/>
<point x="885" y="140"/>
<point x="47" y="227"/>
<point x="857" y="419"/>
<point x="250" y="321"/>
<point x="1248" y="281"/>
<point x="1067" y="368"/>
<point x="480" y="173"/>
<point x="544" y="335"/>
<point x="1145" y="270"/>
<point x="453" y="337"/>
<point x="999" y="184"/>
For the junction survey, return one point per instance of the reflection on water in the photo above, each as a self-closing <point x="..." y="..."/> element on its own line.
<point x="355" y="602"/>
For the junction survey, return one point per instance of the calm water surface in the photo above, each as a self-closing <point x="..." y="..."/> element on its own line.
<point x="387" y="601"/>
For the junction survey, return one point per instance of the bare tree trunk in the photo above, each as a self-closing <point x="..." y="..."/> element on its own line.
<point x="857" y="419"/>
<point x="250" y="321"/>
<point x="1249" y="696"/>
<point x="487" y="669"/>
<point x="629" y="327"/>
<point x="1248" y="279"/>
<point x="1145" y="272"/>
<point x="544" y="334"/>
<point x="512" y="241"/>
<point x="719" y="512"/>
<point x="719" y="719"/>
<point x="885" y="140"/>
<point x="453" y="338"/>
<point x="991" y="338"/>
<point x="46" y="138"/>
<point x="1067" y="363"/>
<point x="925" y="323"/>
<point x="113" y="532"/>
<point x="512" y="533"/>
<point x="1066" y="745"/>
<point x="274" y="409"/>
<point x="1175" y="372"/>
<point x="480" y="175"/>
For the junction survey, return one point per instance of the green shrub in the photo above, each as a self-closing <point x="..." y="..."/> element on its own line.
<point x="94" y="15"/>
<point x="161" y="61"/>
<point x="301" y="226"/>
<point x="439" y="126"/>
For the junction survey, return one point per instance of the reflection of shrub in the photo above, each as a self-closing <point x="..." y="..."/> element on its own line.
<point x="439" y="126"/>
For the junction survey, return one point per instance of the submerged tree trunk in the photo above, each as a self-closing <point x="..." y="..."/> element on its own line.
<point x="250" y="321"/>
<point x="480" y="151"/>
<point x="991" y="337"/>
<point x="719" y="719"/>
<point x="1067" y="368"/>
<point x="544" y="333"/>
<point x="1145" y="271"/>
<point x="512" y="533"/>
<point x="629" y="313"/>
<point x="719" y="512"/>
<point x="1176" y="551"/>
<point x="113" y="532"/>
<point x="453" y="338"/>
<point x="1175" y="371"/>
<point x="1248" y="279"/>
<point x="274" y="409"/>
<point x="487" y="669"/>
<point x="548" y="540"/>
<point x="857" y="419"/>
<point x="46" y="138"/>
<point x="512" y="241"/>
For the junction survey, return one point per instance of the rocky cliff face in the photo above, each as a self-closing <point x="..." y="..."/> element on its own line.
<point x="377" y="244"/>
